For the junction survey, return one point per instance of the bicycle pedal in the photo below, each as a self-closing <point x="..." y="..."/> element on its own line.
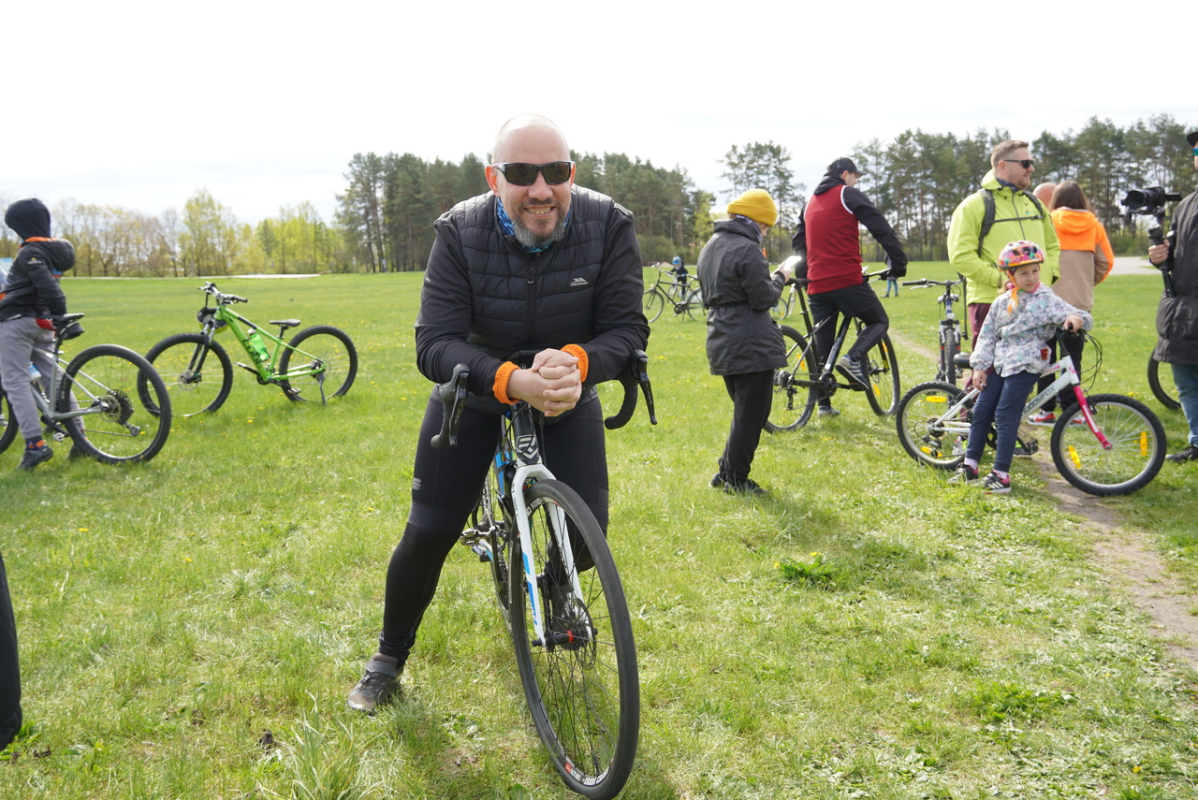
<point x="482" y="550"/>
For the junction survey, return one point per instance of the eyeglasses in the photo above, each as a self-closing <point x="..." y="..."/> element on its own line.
<point x="521" y="174"/>
<point x="1026" y="163"/>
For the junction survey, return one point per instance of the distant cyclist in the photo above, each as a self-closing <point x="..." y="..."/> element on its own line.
<point x="828" y="238"/>
<point x="678" y="270"/>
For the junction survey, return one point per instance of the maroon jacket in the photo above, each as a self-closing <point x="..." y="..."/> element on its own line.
<point x="828" y="237"/>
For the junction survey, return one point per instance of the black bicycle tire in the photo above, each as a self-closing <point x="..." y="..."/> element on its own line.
<point x="147" y="378"/>
<point x="11" y="426"/>
<point x="798" y="359"/>
<point x="1132" y="429"/>
<point x="881" y="366"/>
<point x="198" y="340"/>
<point x="598" y="775"/>
<point x="948" y="354"/>
<point x="921" y="442"/>
<point x="652" y="298"/>
<point x="1158" y="390"/>
<point x="305" y="334"/>
<point x="694" y="305"/>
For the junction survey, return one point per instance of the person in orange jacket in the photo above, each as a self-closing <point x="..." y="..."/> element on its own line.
<point x="1086" y="260"/>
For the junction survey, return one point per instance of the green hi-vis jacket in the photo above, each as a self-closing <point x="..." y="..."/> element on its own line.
<point x="1015" y="217"/>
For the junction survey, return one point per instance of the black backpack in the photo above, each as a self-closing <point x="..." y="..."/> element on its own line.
<point x="988" y="219"/>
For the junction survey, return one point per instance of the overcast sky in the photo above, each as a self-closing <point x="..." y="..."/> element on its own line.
<point x="139" y="104"/>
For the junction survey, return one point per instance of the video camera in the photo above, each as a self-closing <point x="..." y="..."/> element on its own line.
<point x="1151" y="202"/>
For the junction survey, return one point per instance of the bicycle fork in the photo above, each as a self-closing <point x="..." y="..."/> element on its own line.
<point x="526" y="474"/>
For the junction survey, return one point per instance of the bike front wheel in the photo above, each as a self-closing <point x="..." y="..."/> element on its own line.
<point x="793" y="402"/>
<point x="198" y="373"/>
<point x="652" y="303"/>
<point x="882" y="370"/>
<point x="581" y="682"/>
<point x="320" y="362"/>
<point x="924" y="430"/>
<point x="1161" y="382"/>
<point x="950" y="345"/>
<point x="116" y="388"/>
<point x="1137" y="450"/>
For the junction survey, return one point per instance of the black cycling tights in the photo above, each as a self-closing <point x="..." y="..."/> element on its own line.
<point x="445" y="488"/>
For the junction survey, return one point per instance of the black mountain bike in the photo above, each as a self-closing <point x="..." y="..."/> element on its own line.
<point x="809" y="374"/>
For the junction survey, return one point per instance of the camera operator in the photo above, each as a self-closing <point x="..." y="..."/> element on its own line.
<point x="1177" y="316"/>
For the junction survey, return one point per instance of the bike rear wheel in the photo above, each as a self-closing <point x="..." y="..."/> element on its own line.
<point x="1137" y="453"/>
<point x="581" y="684"/>
<point x="694" y="305"/>
<point x="330" y="355"/>
<point x="8" y="423"/>
<point x="1160" y="380"/>
<point x="922" y="427"/>
<point x="652" y="303"/>
<point x="120" y="388"/>
<point x="196" y="381"/>
<point x="793" y="403"/>
<point x="881" y="368"/>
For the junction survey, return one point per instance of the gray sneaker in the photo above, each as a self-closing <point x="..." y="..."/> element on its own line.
<point x="827" y="412"/>
<point x="852" y="371"/>
<point x="379" y="683"/>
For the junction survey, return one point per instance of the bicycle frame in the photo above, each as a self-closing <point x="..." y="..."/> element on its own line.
<point x="519" y="445"/>
<point x="263" y="367"/>
<point x="954" y="420"/>
<point x="827" y="379"/>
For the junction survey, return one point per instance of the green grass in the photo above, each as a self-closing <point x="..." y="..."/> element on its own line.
<point x="189" y="628"/>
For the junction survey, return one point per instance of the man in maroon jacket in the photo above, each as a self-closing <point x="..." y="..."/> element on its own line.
<point x="829" y="242"/>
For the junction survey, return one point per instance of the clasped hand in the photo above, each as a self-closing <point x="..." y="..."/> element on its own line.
<point x="552" y="384"/>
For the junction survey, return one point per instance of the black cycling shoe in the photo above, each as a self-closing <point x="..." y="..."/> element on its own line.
<point x="1189" y="454"/>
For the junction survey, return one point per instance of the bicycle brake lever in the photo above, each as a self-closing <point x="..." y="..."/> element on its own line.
<point x="453" y="394"/>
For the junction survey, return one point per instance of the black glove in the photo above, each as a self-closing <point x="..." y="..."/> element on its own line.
<point x="892" y="271"/>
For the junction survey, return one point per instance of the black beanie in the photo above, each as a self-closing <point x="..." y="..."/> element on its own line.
<point x="29" y="218"/>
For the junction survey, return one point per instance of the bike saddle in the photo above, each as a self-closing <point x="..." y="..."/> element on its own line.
<point x="286" y="323"/>
<point x="962" y="360"/>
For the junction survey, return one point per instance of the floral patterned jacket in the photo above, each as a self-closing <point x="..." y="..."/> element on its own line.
<point x="1017" y="340"/>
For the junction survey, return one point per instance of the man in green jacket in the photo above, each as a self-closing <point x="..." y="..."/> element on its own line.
<point x="1013" y="214"/>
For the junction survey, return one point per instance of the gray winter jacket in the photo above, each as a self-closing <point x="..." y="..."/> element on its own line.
<point x="739" y="292"/>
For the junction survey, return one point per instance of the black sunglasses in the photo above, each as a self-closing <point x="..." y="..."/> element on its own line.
<point x="521" y="174"/>
<point x="1026" y="163"/>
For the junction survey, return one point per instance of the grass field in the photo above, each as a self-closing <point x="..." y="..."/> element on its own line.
<point x="189" y="628"/>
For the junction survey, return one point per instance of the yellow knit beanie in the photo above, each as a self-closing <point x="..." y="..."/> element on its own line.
<point x="757" y="205"/>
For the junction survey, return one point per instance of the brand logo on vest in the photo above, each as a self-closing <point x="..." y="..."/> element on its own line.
<point x="579" y="282"/>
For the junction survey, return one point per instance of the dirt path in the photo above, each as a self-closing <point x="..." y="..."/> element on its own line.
<point x="1133" y="565"/>
<point x="1125" y="555"/>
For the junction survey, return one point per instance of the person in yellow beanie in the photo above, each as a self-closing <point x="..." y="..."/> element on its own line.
<point x="744" y="345"/>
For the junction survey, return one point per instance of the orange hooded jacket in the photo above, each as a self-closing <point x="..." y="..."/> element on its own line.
<point x="1086" y="256"/>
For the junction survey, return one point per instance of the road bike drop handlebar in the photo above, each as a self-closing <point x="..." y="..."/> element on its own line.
<point x="453" y="395"/>
<point x="866" y="277"/>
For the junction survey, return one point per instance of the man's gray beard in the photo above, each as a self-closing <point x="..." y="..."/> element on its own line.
<point x="527" y="238"/>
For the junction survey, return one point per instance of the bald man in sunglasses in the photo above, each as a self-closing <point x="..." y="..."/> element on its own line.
<point x="537" y="264"/>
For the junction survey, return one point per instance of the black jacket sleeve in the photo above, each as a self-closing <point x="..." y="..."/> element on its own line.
<point x="443" y="324"/>
<point x="799" y="240"/>
<point x="620" y="324"/>
<point x="875" y="222"/>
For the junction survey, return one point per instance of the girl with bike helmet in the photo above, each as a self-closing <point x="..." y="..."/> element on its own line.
<point x="1011" y="352"/>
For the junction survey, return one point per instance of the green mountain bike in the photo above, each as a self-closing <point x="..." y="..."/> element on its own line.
<point x="319" y="362"/>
